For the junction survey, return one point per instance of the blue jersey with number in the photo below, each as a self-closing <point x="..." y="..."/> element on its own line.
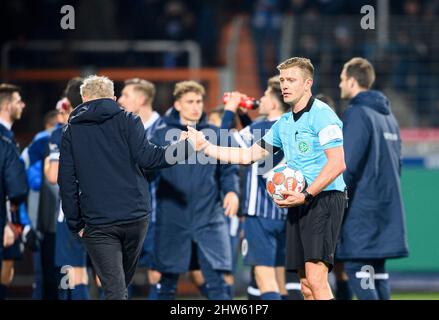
<point x="305" y="140"/>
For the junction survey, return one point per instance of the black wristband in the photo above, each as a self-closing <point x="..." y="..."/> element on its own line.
<point x="308" y="196"/>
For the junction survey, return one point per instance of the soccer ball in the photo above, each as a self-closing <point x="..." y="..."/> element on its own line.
<point x="284" y="178"/>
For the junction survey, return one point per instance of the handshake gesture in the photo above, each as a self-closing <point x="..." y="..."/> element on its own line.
<point x="199" y="143"/>
<point x="196" y="139"/>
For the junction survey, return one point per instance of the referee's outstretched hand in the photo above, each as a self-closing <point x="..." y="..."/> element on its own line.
<point x="294" y="199"/>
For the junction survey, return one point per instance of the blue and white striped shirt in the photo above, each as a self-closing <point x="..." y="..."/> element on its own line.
<point x="256" y="201"/>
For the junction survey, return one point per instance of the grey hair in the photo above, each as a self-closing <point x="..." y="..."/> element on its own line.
<point x="96" y="87"/>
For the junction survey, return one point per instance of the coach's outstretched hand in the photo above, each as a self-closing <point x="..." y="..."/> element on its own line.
<point x="197" y="139"/>
<point x="294" y="199"/>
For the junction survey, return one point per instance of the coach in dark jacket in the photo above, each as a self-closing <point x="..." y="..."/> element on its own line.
<point x="190" y="213"/>
<point x="374" y="226"/>
<point x="103" y="191"/>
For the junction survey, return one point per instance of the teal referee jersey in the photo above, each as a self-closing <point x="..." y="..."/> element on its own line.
<point x="304" y="140"/>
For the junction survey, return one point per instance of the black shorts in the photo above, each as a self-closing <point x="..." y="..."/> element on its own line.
<point x="313" y="230"/>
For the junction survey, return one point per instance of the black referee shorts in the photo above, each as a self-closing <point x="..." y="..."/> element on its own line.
<point x="313" y="230"/>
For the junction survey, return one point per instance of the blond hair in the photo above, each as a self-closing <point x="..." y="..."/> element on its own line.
<point x="302" y="63"/>
<point x="143" y="86"/>
<point x="97" y="87"/>
<point x="184" y="87"/>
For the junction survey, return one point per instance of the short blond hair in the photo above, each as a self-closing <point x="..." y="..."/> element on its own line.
<point x="302" y="63"/>
<point x="97" y="87"/>
<point x="184" y="87"/>
<point x="143" y="86"/>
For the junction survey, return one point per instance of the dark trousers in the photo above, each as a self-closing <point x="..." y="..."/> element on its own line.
<point x="368" y="279"/>
<point x="114" y="252"/>
<point x="50" y="272"/>
<point x="37" y="286"/>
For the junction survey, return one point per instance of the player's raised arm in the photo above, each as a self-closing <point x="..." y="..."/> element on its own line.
<point x="226" y="154"/>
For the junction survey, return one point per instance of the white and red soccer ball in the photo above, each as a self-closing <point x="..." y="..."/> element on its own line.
<point x="284" y="178"/>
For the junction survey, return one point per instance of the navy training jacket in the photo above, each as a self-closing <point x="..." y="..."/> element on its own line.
<point x="13" y="183"/>
<point x="374" y="224"/>
<point x="103" y="152"/>
<point x="189" y="204"/>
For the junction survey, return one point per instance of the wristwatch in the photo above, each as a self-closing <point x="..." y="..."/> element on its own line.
<point x="308" y="196"/>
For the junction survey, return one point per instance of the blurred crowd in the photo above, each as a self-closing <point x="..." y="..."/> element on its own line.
<point x="326" y="31"/>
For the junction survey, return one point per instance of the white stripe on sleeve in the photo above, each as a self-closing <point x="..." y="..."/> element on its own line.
<point x="330" y="133"/>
